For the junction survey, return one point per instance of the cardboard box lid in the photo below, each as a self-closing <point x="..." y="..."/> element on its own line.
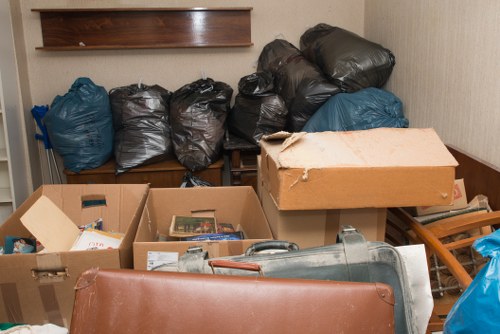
<point x="382" y="147"/>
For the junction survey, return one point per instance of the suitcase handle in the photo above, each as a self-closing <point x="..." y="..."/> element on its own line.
<point x="356" y="254"/>
<point x="235" y="265"/>
<point x="271" y="244"/>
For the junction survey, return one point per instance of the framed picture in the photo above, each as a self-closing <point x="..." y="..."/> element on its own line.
<point x="183" y="226"/>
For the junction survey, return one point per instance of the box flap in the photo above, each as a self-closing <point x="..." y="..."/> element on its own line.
<point x="277" y="135"/>
<point x="50" y="225"/>
<point x="380" y="147"/>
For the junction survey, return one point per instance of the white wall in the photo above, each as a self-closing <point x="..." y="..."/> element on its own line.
<point x="447" y="67"/>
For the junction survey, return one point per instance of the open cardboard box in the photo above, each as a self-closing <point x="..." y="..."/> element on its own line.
<point x="39" y="288"/>
<point x="234" y="205"/>
<point x="375" y="168"/>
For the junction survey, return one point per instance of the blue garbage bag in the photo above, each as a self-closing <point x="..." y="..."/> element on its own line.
<point x="365" y="109"/>
<point x="80" y="126"/>
<point x="478" y="308"/>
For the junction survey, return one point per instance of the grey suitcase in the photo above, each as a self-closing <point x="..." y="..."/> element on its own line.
<point x="351" y="259"/>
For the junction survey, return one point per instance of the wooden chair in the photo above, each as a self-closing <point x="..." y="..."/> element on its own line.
<point x="437" y="237"/>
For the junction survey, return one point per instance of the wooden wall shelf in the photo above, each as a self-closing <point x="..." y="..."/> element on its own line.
<point x="144" y="28"/>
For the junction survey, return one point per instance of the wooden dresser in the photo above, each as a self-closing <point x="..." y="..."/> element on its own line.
<point x="165" y="174"/>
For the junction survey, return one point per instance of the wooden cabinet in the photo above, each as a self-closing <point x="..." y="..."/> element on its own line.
<point x="165" y="174"/>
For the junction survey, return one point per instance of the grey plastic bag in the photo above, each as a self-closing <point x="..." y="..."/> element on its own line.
<point x="298" y="81"/>
<point x="348" y="60"/>
<point x="198" y="113"/>
<point x="257" y="111"/>
<point x="142" y="128"/>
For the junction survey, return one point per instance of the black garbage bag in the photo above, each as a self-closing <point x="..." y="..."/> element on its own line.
<point x="190" y="181"/>
<point x="142" y="129"/>
<point x="366" y="109"/>
<point x="300" y="83"/>
<point x="256" y="84"/>
<point x="198" y="113"/>
<point x="350" y="61"/>
<point x="80" y="126"/>
<point x="257" y="111"/>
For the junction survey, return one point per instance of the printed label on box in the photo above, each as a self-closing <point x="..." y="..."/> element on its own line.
<point x="162" y="261"/>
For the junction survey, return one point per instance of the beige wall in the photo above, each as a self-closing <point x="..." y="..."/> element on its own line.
<point x="446" y="53"/>
<point x="52" y="73"/>
<point x="447" y="67"/>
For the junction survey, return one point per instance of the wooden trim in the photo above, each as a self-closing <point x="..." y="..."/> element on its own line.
<point x="138" y="9"/>
<point x="138" y="46"/>
<point x="479" y="177"/>
<point x="140" y="28"/>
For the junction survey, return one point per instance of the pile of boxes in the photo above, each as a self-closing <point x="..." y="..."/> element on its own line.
<point x="330" y="179"/>
<point x="308" y="186"/>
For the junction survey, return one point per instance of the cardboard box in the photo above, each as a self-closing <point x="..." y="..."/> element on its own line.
<point x="459" y="202"/>
<point x="39" y="288"/>
<point x="375" y="168"/>
<point x="235" y="205"/>
<point x="313" y="228"/>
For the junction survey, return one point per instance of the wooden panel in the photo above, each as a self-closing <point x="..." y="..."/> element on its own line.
<point x="165" y="174"/>
<point x="79" y="29"/>
<point x="91" y="179"/>
<point x="479" y="177"/>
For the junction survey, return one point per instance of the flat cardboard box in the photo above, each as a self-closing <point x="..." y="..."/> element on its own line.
<point x="39" y="288"/>
<point x="235" y="205"/>
<point x="375" y="168"/>
<point x="314" y="228"/>
<point x="459" y="202"/>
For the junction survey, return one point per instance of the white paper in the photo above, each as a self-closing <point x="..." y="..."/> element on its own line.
<point x="415" y="262"/>
<point x="162" y="261"/>
<point x="91" y="240"/>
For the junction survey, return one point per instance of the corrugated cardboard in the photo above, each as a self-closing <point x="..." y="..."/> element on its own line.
<point x="313" y="228"/>
<point x="375" y="168"/>
<point x="459" y="202"/>
<point x="39" y="288"/>
<point x="50" y="225"/>
<point x="235" y="205"/>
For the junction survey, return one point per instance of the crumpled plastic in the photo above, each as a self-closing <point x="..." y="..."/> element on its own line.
<point x="348" y="60"/>
<point x="477" y="310"/>
<point x="198" y="113"/>
<point x="80" y="126"/>
<point x="366" y="109"/>
<point x="141" y="123"/>
<point x="257" y="111"/>
<point x="300" y="83"/>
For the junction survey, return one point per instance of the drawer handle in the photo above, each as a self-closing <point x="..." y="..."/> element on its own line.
<point x="50" y="273"/>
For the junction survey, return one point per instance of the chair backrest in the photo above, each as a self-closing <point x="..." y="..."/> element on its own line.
<point x="433" y="235"/>
<point x="446" y="239"/>
<point x="133" y="301"/>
